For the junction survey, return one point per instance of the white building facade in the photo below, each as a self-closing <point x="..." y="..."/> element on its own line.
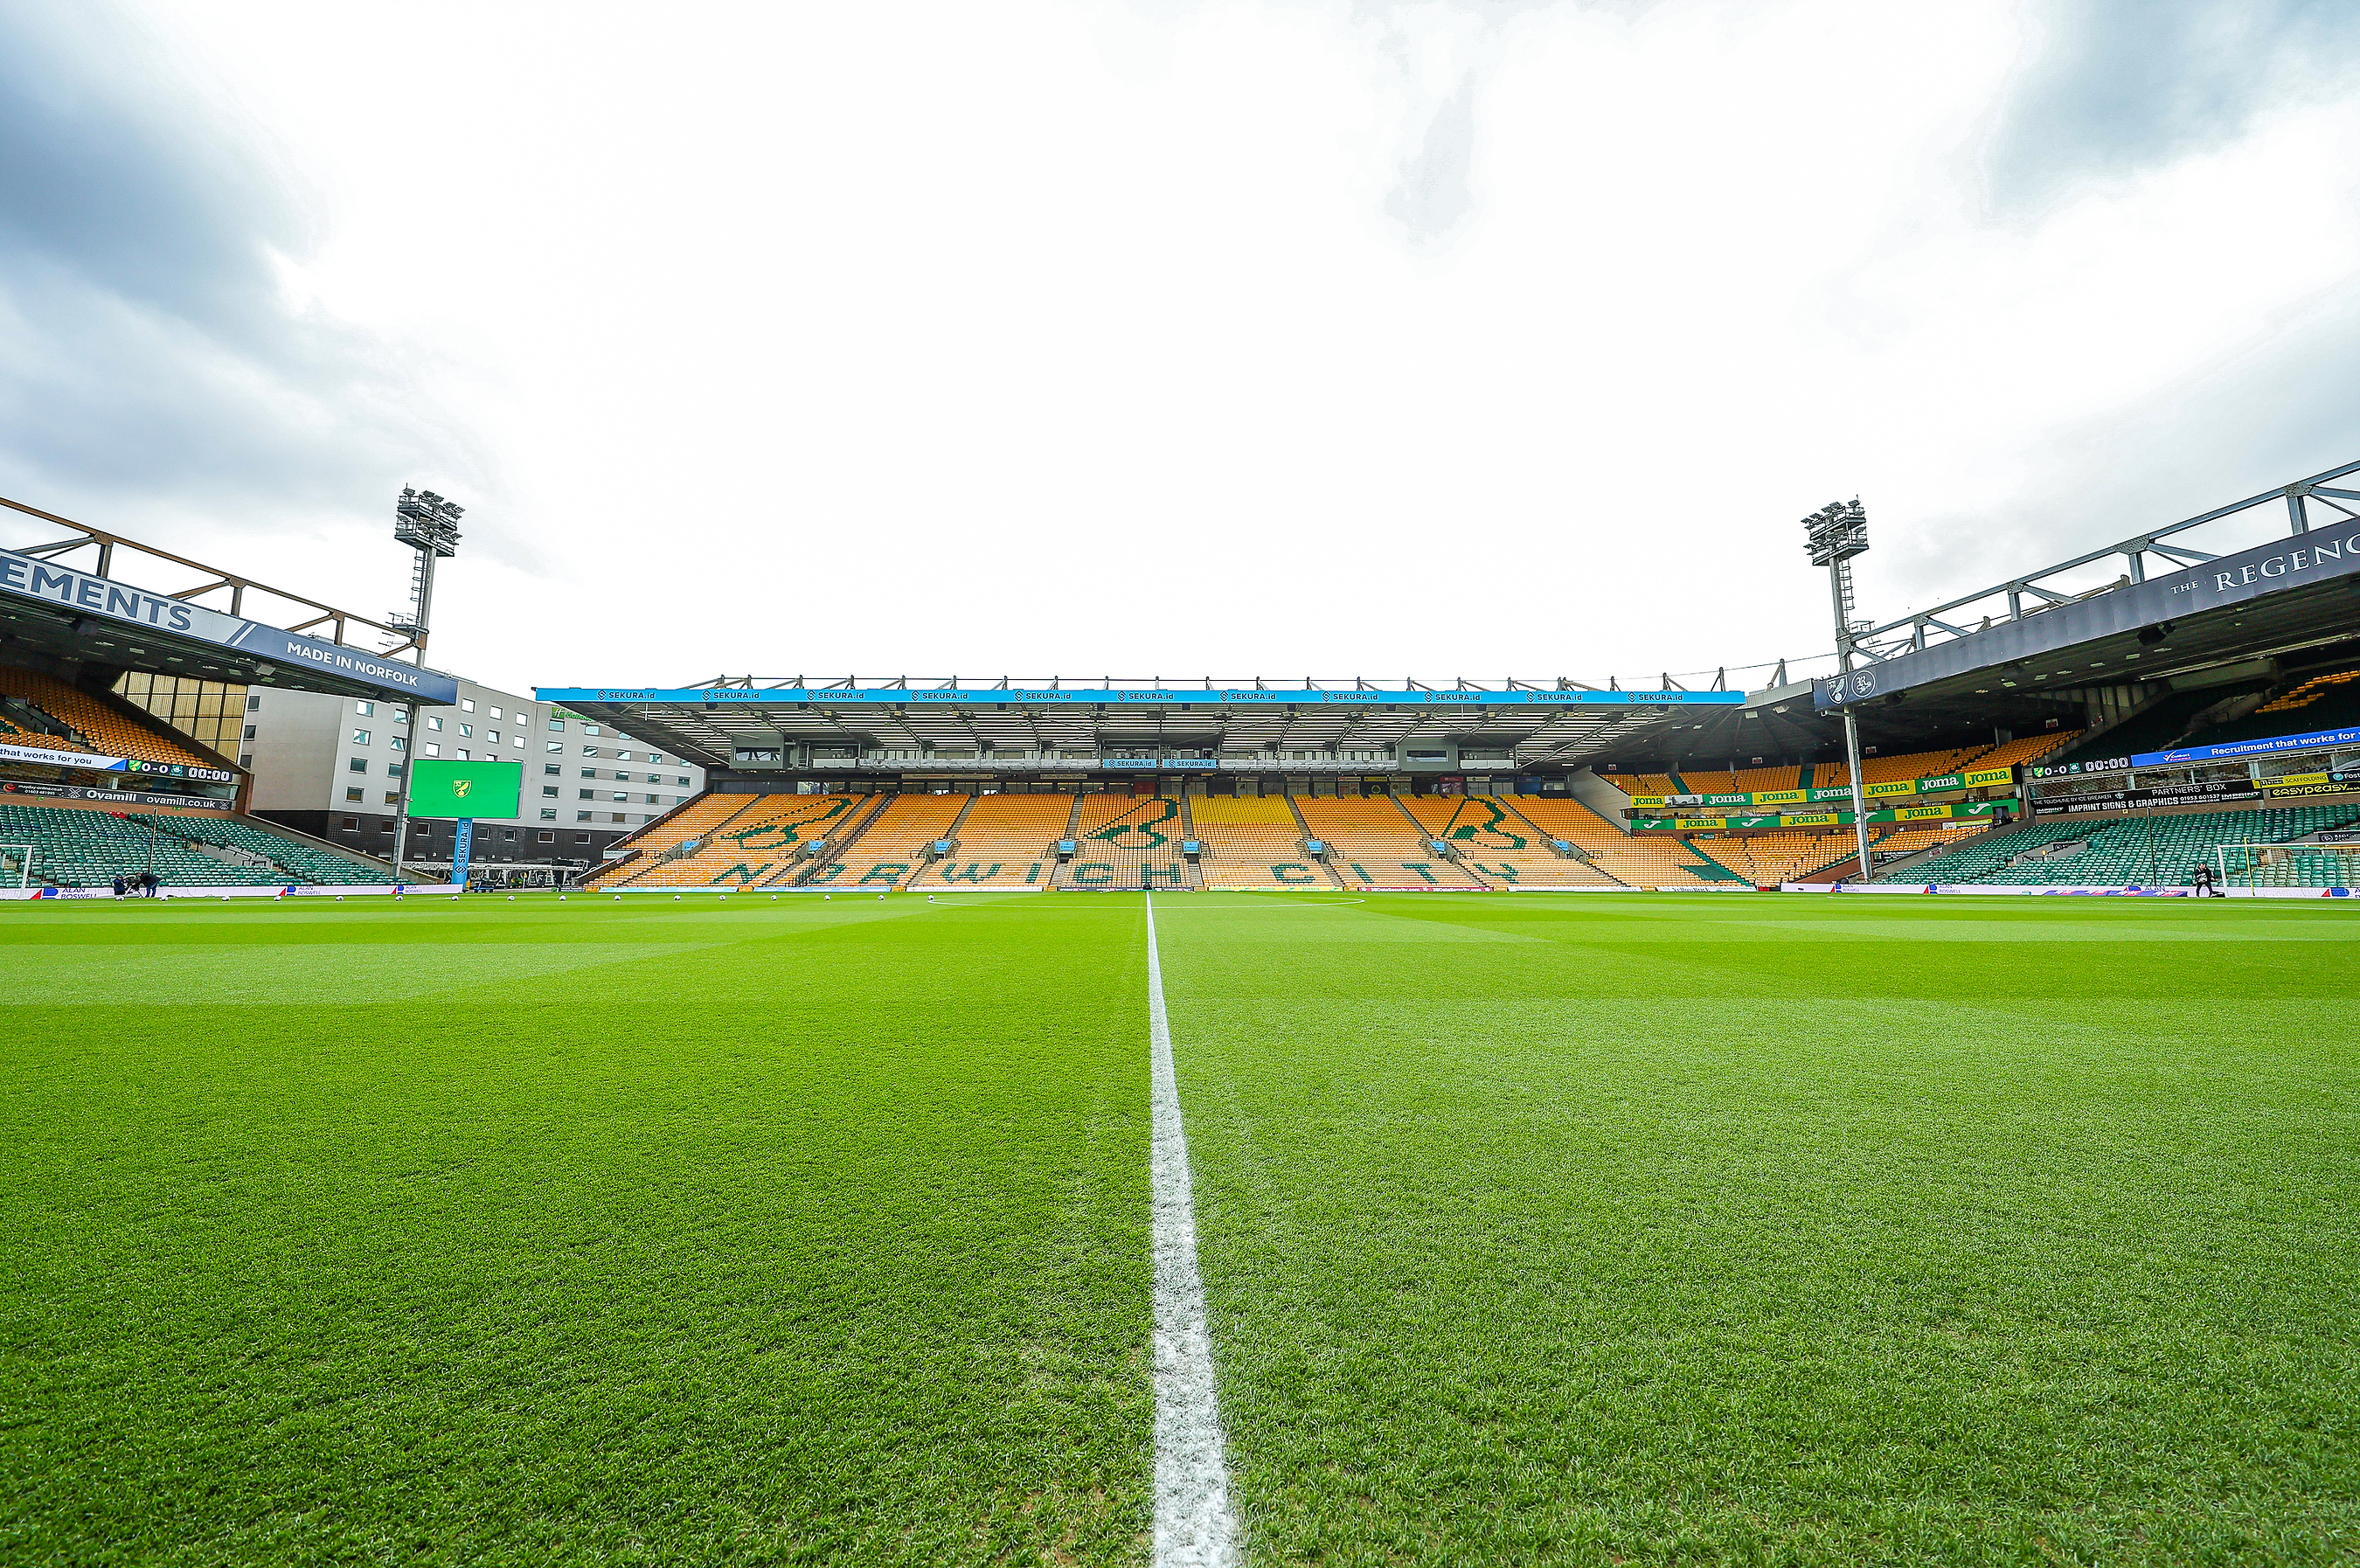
<point x="331" y="766"/>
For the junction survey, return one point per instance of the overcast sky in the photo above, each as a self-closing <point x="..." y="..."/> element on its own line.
<point x="1176" y="339"/>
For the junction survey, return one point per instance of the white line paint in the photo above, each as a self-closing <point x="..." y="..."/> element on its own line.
<point x="1194" y="1526"/>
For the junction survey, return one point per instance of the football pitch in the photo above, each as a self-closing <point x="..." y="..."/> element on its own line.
<point x="1710" y="1228"/>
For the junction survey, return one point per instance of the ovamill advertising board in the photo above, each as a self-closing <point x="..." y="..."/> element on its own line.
<point x="26" y="577"/>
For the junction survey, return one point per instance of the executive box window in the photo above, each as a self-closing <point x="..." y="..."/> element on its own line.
<point x="365" y="709"/>
<point x="467" y="704"/>
<point x="360" y="738"/>
<point x="358" y="765"/>
<point x="352" y="794"/>
<point x="549" y="791"/>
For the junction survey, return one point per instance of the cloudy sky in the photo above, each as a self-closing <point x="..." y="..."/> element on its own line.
<point x="1183" y="339"/>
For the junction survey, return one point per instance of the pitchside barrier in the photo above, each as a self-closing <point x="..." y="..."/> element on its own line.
<point x="354" y="891"/>
<point x="2131" y="890"/>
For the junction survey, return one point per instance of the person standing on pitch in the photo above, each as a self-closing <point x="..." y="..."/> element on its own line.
<point x="2203" y="880"/>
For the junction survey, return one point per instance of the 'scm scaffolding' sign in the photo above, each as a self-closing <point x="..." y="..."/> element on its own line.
<point x="61" y="586"/>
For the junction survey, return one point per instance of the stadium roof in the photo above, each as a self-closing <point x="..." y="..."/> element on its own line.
<point x="1547" y="722"/>
<point x="86" y="614"/>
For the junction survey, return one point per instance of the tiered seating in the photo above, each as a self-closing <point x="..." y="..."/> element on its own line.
<point x="1374" y="844"/>
<point x="80" y="847"/>
<point x="757" y="842"/>
<point x="1497" y="845"/>
<point x="692" y="820"/>
<point x="108" y="731"/>
<point x="1128" y="841"/>
<point x="2025" y="749"/>
<point x="1893" y="770"/>
<point x="1252" y="842"/>
<point x="298" y="861"/>
<point x="1643" y="783"/>
<point x="2321" y="703"/>
<point x="1742" y="780"/>
<point x="2152" y="851"/>
<point x="1769" y="858"/>
<point x="1637" y="862"/>
<point x="2308" y="693"/>
<point x="891" y="849"/>
<point x="1005" y="841"/>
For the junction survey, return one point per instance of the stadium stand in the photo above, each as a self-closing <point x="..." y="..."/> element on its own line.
<point x="2316" y="703"/>
<point x="99" y="727"/>
<point x="1128" y="841"/>
<point x="674" y="836"/>
<point x="81" y="847"/>
<point x="1003" y="841"/>
<point x="1769" y="858"/>
<point x="2308" y="693"/>
<point x="2157" y="850"/>
<point x="1644" y="783"/>
<point x="2160" y="724"/>
<point x="294" y="860"/>
<point x="2024" y="749"/>
<point x="1654" y="861"/>
<point x="890" y="848"/>
<point x="756" y="840"/>
<point x="1252" y="841"/>
<point x="1374" y="842"/>
<point x="1892" y="770"/>
<point x="1499" y="846"/>
<point x="1742" y="780"/>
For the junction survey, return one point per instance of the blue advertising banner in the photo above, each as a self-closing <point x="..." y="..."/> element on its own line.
<point x="27" y="577"/>
<point x="800" y="696"/>
<point x="2273" y="746"/>
<point x="461" y="848"/>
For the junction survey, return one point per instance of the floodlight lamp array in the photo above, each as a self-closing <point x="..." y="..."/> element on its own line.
<point x="427" y="523"/>
<point x="1837" y="531"/>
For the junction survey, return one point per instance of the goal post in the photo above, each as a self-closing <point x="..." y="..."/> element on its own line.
<point x="2289" y="865"/>
<point x="15" y="865"/>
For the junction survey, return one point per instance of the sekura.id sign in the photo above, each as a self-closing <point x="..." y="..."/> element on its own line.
<point x="445" y="787"/>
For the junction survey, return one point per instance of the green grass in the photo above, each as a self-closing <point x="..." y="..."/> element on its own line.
<point x="1535" y="1229"/>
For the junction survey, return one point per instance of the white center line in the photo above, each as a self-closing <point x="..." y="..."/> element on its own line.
<point x="1194" y="1526"/>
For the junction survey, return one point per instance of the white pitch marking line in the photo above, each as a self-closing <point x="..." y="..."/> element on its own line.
<point x="1194" y="1526"/>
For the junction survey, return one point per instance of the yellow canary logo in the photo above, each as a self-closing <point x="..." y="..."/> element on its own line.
<point x="460" y="786"/>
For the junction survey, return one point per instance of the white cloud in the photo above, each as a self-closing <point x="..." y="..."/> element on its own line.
<point x="1238" y="338"/>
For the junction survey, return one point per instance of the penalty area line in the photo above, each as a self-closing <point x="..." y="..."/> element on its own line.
<point x="1194" y="1524"/>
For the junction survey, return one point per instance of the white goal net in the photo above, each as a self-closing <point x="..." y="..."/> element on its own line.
<point x="15" y="865"/>
<point x="2289" y="865"/>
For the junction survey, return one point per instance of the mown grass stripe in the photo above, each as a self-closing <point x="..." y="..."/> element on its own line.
<point x="1193" y="1521"/>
